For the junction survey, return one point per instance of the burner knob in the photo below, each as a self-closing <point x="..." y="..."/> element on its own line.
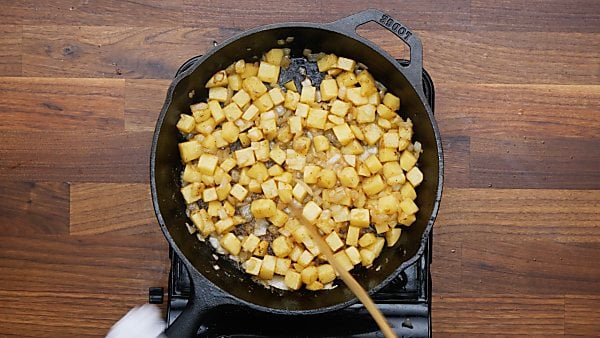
<point x="155" y="295"/>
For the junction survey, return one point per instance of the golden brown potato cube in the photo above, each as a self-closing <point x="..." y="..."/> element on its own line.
<point x="269" y="127"/>
<point x="230" y="132"/>
<point x="219" y="94"/>
<point x="276" y="96"/>
<point x="367" y="83"/>
<point x="268" y="73"/>
<point x="302" y="110"/>
<point x="365" y="113"/>
<point x="391" y="101"/>
<point x="357" y="132"/>
<point x="373" y="164"/>
<point x="311" y="211"/>
<point x="407" y="219"/>
<point x="275" y="170"/>
<point x="274" y="56"/>
<point x="192" y="192"/>
<point x="190" y="150"/>
<point x="352" y="236"/>
<point x="191" y="174"/>
<point x="327" y="62"/>
<point x="231" y="243"/>
<point x="264" y="103"/>
<point x="186" y="123"/>
<point x="213" y="208"/>
<point x="392" y="171"/>
<point x="258" y="172"/>
<point x="238" y="192"/>
<point x="329" y="89"/>
<point x="228" y="164"/>
<point x="390" y="140"/>
<point x="388" y="204"/>
<point x="225" y="225"/>
<point x="253" y="266"/>
<point x="360" y="217"/>
<point x="245" y="157"/>
<point x="263" y="208"/>
<point x="200" y="218"/>
<point x="349" y="178"/>
<point x="326" y="273"/>
<point x="353" y="148"/>
<point x="343" y="133"/>
<point x="216" y="111"/>
<point x="241" y="98"/>
<point x="305" y="258"/>
<point x="219" y="140"/>
<point x="217" y="80"/>
<point x="251" y="113"/>
<point x="334" y="119"/>
<point x="367" y="239"/>
<point x="286" y="177"/>
<point x="321" y="143"/>
<point x="254" y="87"/>
<point x="414" y="176"/>
<point x="366" y="257"/>
<point x="250" y="69"/>
<point x="347" y="79"/>
<point x="375" y="99"/>
<point x="299" y="192"/>
<point x="408" y="191"/>
<point x="285" y="195"/>
<point x="210" y="143"/>
<point x="340" y="108"/>
<point x="255" y="134"/>
<point x="373" y="185"/>
<point x="342" y="258"/>
<point x="377" y="246"/>
<point x="346" y="64"/>
<point x="408" y="206"/>
<point x="295" y="123"/>
<point x="254" y="186"/>
<point x="267" y="269"/>
<point x="209" y="194"/>
<point x="327" y="178"/>
<point x="282" y="266"/>
<point x="308" y="94"/>
<point x="385" y="112"/>
<point x="309" y="275"/>
<point x="239" y="66"/>
<point x="223" y="191"/>
<point x="261" y="150"/>
<point x="353" y="254"/>
<point x="301" y="145"/>
<point x="250" y="243"/>
<point x="407" y="160"/>
<point x="387" y="155"/>
<point x="269" y="188"/>
<point x="279" y="219"/>
<point x="334" y="241"/>
<point x="235" y="82"/>
<point x="261" y="249"/>
<point x="315" y="286"/>
<point x="291" y="100"/>
<point x="290" y="85"/>
<point x="277" y="155"/>
<point x="311" y="174"/>
<point x="293" y="280"/>
<point x="201" y="115"/>
<point x="372" y="133"/>
<point x="316" y="118"/>
<point x="392" y="236"/>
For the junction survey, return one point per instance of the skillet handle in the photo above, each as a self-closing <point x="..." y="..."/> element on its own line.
<point x="414" y="69"/>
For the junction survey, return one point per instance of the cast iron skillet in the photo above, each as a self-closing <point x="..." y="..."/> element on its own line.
<point x="229" y="285"/>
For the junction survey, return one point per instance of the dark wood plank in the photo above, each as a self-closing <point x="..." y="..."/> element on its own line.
<point x="582" y="315"/>
<point x="525" y="110"/>
<point x="116" y="208"/>
<point x="510" y="215"/>
<point x="34" y="208"/>
<point x="143" y="102"/>
<point x="446" y="263"/>
<point x="456" y="161"/>
<point x="120" y="52"/>
<point x="42" y="104"/>
<point x="527" y="162"/>
<point x="75" y="156"/>
<point x="530" y="266"/>
<point x="418" y="14"/>
<point x="108" y="13"/>
<point x="10" y="53"/>
<point x="497" y="315"/>
<point x="537" y="15"/>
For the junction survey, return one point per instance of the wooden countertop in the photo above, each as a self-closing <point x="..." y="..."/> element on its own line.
<point x="517" y="241"/>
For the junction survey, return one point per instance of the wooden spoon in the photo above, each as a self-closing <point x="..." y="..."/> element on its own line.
<point x="361" y="294"/>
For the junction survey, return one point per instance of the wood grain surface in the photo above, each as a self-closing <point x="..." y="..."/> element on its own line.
<point x="517" y="240"/>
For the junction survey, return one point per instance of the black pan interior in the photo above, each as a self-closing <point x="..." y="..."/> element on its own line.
<point x="168" y="167"/>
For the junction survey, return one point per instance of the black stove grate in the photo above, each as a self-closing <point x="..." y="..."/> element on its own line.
<point x="405" y="302"/>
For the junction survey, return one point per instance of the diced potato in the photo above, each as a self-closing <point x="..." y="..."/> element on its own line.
<point x="366" y="257"/>
<point x="305" y="258"/>
<point x="387" y="155"/>
<point x="239" y="192"/>
<point x="279" y="219"/>
<point x="365" y="113"/>
<point x="209" y="194"/>
<point x="349" y="178"/>
<point x="373" y="185"/>
<point x="262" y="150"/>
<point x="391" y="101"/>
<point x="254" y="87"/>
<point x="286" y="177"/>
<point x="295" y="123"/>
<point x="275" y="170"/>
<point x="329" y="89"/>
<point x="408" y="219"/>
<point x="311" y="211"/>
<point x="335" y="119"/>
<point x="285" y="195"/>
<point x="390" y="140"/>
<point x="385" y="112"/>
<point x="254" y="186"/>
<point x="308" y="94"/>
<point x="326" y="273"/>
<point x="353" y="148"/>
<point x="350" y="160"/>
<point x="217" y="80"/>
<point x="274" y="56"/>
<point x="353" y="254"/>
<point x="190" y="150"/>
<point x="228" y="164"/>
<point x="372" y="133"/>
<point x="263" y="208"/>
<point x="269" y="127"/>
<point x="224" y="225"/>
<point x="408" y="191"/>
<point x="269" y="188"/>
<point x="267" y="268"/>
<point x="340" y="108"/>
<point x="191" y="174"/>
<point x="223" y="191"/>
<point x="290" y="85"/>
<point x="216" y="111"/>
<point x="302" y="110"/>
<point x="219" y="140"/>
<point x="251" y="113"/>
<point x="408" y="206"/>
<point x="230" y="132"/>
<point x="352" y="236"/>
<point x="360" y="217"/>
<point x="296" y="250"/>
<point x="235" y="82"/>
<point x="346" y="64"/>
<point x="316" y="118"/>
<point x="276" y="96"/>
<point x="343" y="133"/>
<point x="309" y="275"/>
<point x="414" y="176"/>
<point x="261" y="249"/>
<point x="367" y="239"/>
<point x="268" y="72"/>
<point x="253" y="266"/>
<point x="213" y="208"/>
<point x="327" y="178"/>
<point x="357" y="132"/>
<point x="321" y="143"/>
<point x="241" y="98"/>
<point x="255" y="134"/>
<point x="231" y="243"/>
<point x="277" y="155"/>
<point x="192" y="192"/>
<point x="250" y="243"/>
<point x="282" y="266"/>
<point x="392" y="171"/>
<point x="264" y="103"/>
<point x="219" y="94"/>
<point x="245" y="157"/>
<point x="334" y="241"/>
<point x="373" y="164"/>
<point x="291" y="100"/>
<point x="381" y="228"/>
<point x="377" y="246"/>
<point x="375" y="99"/>
<point x="311" y="174"/>
<point x="327" y="62"/>
<point x="392" y="236"/>
<point x="367" y="83"/>
<point x="407" y="160"/>
<point x="186" y="123"/>
<point x="353" y="95"/>
<point x="388" y="204"/>
<point x="342" y="258"/>
<point x="347" y="79"/>
<point x="250" y="69"/>
<point x="293" y="280"/>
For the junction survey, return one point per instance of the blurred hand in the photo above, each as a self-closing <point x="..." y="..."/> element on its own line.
<point x="140" y="322"/>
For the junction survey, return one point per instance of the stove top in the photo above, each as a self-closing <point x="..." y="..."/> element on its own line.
<point x="405" y="302"/>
